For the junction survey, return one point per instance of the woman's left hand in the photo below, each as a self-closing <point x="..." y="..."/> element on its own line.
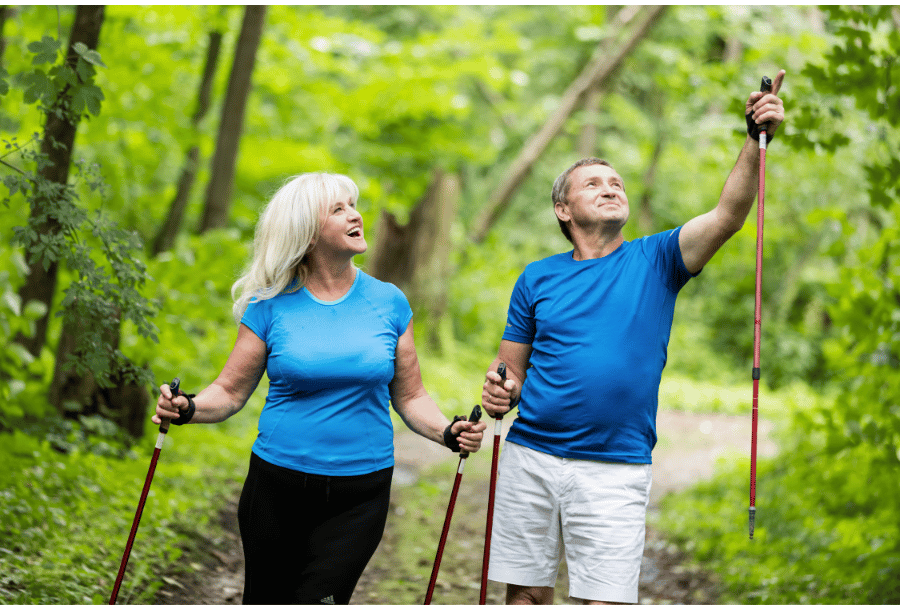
<point x="470" y="434"/>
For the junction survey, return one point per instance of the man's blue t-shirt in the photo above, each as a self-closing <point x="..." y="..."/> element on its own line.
<point x="599" y="331"/>
<point x="329" y="366"/>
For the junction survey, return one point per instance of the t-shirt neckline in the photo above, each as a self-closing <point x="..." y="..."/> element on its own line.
<point x="339" y="300"/>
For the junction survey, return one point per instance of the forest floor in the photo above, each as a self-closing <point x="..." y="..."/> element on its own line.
<point x="689" y="446"/>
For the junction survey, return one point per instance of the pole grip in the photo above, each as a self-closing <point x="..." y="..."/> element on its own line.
<point x="176" y="391"/>
<point x="766" y="87"/>
<point x="501" y="370"/>
<point x="474" y="418"/>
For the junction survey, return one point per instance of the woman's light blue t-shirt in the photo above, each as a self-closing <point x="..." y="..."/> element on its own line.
<point x="329" y="365"/>
<point x="599" y="331"/>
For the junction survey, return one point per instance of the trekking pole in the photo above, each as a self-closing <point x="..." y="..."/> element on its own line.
<point x="757" y="326"/>
<point x="163" y="429"/>
<point x="476" y="415"/>
<point x="498" y="426"/>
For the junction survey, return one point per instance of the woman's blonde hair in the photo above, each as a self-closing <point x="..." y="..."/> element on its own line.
<point x="288" y="227"/>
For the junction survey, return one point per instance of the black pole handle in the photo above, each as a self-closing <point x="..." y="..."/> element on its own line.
<point x="176" y="391"/>
<point x="474" y="418"/>
<point x="766" y="87"/>
<point x="501" y="370"/>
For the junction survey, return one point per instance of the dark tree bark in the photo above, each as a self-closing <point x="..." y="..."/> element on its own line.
<point x="58" y="143"/>
<point x="416" y="256"/>
<point x="5" y="13"/>
<point x="165" y="239"/>
<point x="124" y="402"/>
<point x="611" y="54"/>
<point x="645" y="214"/>
<point x="221" y="185"/>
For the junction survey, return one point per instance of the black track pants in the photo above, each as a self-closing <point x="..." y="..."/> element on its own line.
<point x="307" y="538"/>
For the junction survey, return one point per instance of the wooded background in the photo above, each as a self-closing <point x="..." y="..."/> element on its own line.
<point x="142" y="142"/>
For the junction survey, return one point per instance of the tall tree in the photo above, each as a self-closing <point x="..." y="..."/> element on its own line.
<point x="415" y="256"/>
<point x="5" y="13"/>
<point x="169" y="230"/>
<point x="221" y="183"/>
<point x="57" y="144"/>
<point x="610" y="55"/>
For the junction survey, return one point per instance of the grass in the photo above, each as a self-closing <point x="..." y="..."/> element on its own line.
<point x="66" y="506"/>
<point x="66" y="516"/>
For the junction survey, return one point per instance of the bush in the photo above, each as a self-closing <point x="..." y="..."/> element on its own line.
<point x="827" y="530"/>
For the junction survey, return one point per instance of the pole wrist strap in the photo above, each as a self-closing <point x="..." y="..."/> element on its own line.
<point x="450" y="439"/>
<point x="186" y="416"/>
<point x="753" y="129"/>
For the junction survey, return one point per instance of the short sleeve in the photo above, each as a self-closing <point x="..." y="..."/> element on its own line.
<point x="664" y="254"/>
<point x="402" y="311"/>
<point x="520" y="326"/>
<point x="258" y="317"/>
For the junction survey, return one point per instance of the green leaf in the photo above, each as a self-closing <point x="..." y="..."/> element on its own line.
<point x="46" y="50"/>
<point x="38" y="86"/>
<point x="89" y="96"/>
<point x="88" y="55"/>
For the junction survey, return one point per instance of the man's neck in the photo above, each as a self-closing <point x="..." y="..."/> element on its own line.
<point x="589" y="247"/>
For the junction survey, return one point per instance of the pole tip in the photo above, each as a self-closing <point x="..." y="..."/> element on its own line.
<point x="752" y="520"/>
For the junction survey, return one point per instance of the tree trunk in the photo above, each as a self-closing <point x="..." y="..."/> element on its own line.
<point x="5" y="13"/>
<point x="58" y="143"/>
<point x="221" y="183"/>
<point x="432" y="254"/>
<point x="415" y="256"/>
<point x="606" y="61"/>
<point x="587" y="139"/>
<point x="645" y="214"/>
<point x="165" y="239"/>
<point x="124" y="402"/>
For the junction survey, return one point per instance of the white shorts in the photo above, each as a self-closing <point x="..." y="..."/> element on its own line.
<point x="595" y="510"/>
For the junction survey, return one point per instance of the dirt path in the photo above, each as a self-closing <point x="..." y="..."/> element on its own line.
<point x="688" y="449"/>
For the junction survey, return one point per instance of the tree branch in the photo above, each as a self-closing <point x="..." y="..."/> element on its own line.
<point x="597" y="70"/>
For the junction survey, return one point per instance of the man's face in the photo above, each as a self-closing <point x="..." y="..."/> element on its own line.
<point x="596" y="199"/>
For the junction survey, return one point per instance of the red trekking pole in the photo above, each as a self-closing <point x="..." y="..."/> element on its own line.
<point x="163" y="429"/>
<point x="476" y="415"/>
<point x="757" y="327"/>
<point x="498" y="427"/>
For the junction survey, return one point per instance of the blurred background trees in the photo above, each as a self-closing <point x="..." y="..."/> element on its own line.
<point x="141" y="142"/>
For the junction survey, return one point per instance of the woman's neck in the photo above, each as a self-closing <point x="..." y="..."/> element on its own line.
<point x="330" y="282"/>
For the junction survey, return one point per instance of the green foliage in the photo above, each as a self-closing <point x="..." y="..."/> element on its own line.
<point x="68" y="503"/>
<point x="108" y="275"/>
<point x="866" y="352"/>
<point x="826" y="529"/>
<point x="64" y="89"/>
<point x="827" y="526"/>
<point x="69" y="489"/>
<point x="387" y="94"/>
<point x="22" y="376"/>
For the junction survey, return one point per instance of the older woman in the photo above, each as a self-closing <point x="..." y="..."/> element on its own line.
<point x="337" y="345"/>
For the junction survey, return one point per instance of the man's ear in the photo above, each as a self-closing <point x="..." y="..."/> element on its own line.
<point x="562" y="211"/>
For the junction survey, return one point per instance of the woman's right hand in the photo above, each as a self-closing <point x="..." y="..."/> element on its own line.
<point x="167" y="405"/>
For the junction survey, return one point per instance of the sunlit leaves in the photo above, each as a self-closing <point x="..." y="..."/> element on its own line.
<point x="89" y="55"/>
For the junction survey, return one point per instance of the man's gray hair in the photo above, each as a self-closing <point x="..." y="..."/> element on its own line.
<point x="561" y="188"/>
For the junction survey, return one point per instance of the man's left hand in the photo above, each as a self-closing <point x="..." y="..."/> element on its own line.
<point x="767" y="107"/>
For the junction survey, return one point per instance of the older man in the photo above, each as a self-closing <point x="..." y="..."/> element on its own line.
<point x="585" y="345"/>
